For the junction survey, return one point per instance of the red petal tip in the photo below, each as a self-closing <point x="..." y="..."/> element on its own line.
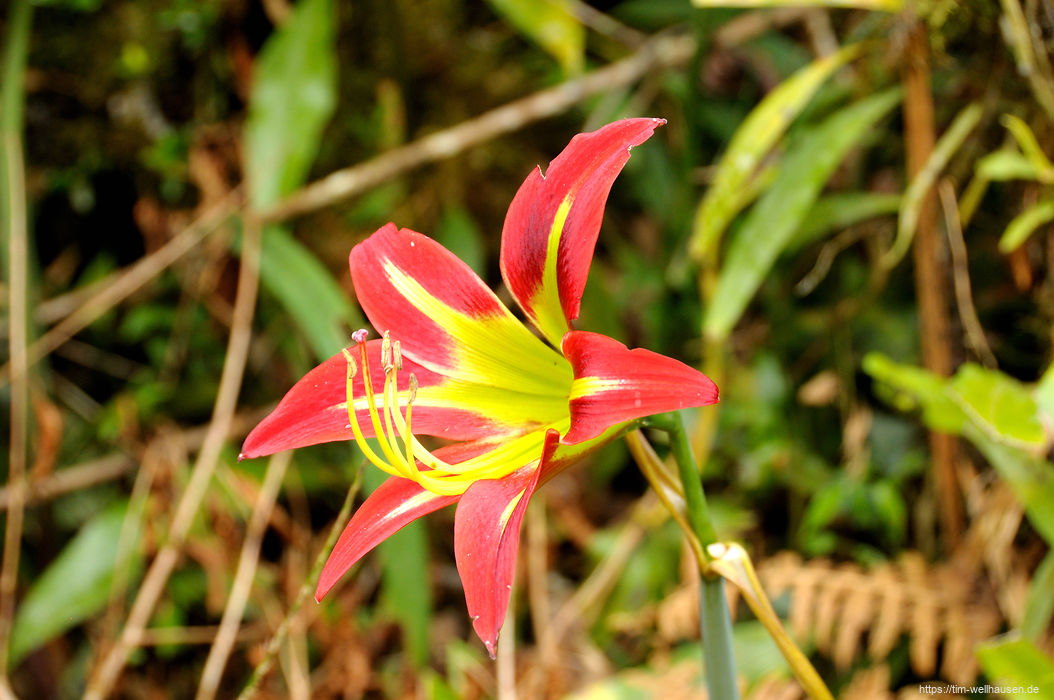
<point x="492" y="649"/>
<point x="241" y="456"/>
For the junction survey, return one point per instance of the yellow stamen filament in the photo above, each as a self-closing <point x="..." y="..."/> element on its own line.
<point x="437" y="475"/>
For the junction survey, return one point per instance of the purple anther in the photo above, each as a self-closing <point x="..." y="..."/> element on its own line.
<point x="359" y="336"/>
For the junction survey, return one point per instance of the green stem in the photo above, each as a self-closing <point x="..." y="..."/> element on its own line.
<point x="716" y="626"/>
<point x="715" y="623"/>
<point x="694" y="497"/>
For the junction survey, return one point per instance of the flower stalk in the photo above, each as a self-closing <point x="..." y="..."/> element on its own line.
<point x="715" y="623"/>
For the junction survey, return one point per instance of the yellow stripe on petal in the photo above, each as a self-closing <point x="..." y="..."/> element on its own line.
<point x="587" y="386"/>
<point x="495" y="349"/>
<point x="506" y="514"/>
<point x="546" y="307"/>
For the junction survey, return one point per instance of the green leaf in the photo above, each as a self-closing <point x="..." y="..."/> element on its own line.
<point x="1022" y="226"/>
<point x="293" y="96"/>
<point x="308" y="292"/>
<point x="914" y="388"/>
<point x="75" y="586"/>
<point x="1019" y="668"/>
<point x="915" y="195"/>
<point x="809" y="163"/>
<point x="551" y="25"/>
<point x="1000" y="405"/>
<point x="992" y="411"/>
<point x="1006" y="164"/>
<point x="838" y="211"/>
<point x="759" y="132"/>
<point x="1029" y="477"/>
<point x="1039" y="605"/>
<point x="1030" y="147"/>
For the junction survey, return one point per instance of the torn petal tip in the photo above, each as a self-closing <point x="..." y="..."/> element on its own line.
<point x="241" y="456"/>
<point x="492" y="649"/>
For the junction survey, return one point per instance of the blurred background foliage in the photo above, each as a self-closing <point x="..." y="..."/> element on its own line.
<point x="846" y="222"/>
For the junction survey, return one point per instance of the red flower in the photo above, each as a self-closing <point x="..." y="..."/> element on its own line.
<point x="456" y="364"/>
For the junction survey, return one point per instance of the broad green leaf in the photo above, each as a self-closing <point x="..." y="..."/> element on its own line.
<point x="837" y="211"/>
<point x="75" y="586"/>
<point x="916" y="388"/>
<point x="293" y="96"/>
<point x="1039" y="605"/>
<point x="1030" y="147"/>
<point x="407" y="596"/>
<point x="982" y="409"/>
<point x="808" y="164"/>
<point x="1028" y="476"/>
<point x="1044" y="393"/>
<point x="880" y="5"/>
<point x="307" y="290"/>
<point x="1006" y="164"/>
<point x="754" y="139"/>
<point x="1018" y="667"/>
<point x="1022" y="225"/>
<point x="551" y="25"/>
<point x="1000" y="406"/>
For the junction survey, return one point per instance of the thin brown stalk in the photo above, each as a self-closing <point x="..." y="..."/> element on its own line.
<point x="274" y="645"/>
<point x="537" y="582"/>
<point x="144" y="270"/>
<point x="664" y="52"/>
<point x="975" y="336"/>
<point x="18" y="261"/>
<point x="114" y="466"/>
<point x="106" y="673"/>
<point x="243" y="577"/>
<point x="506" y="654"/>
<point x="605" y="24"/>
<point x="196" y="634"/>
<point x="580" y="608"/>
<point x="920" y="137"/>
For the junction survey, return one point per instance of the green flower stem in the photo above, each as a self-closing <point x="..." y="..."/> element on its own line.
<point x="716" y="626"/>
<point x="715" y="623"/>
<point x="694" y="497"/>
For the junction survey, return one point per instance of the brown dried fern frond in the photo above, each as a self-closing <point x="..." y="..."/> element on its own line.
<point x="837" y="606"/>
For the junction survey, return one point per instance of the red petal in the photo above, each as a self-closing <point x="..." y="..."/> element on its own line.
<point x="448" y="320"/>
<point x="614" y="384"/>
<point x="487" y="538"/>
<point x="315" y="409"/>
<point x="393" y="505"/>
<point x="582" y="173"/>
<point x="396" y="503"/>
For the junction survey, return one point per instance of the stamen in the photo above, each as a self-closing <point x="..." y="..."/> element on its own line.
<point x="403" y="460"/>
<point x="371" y="405"/>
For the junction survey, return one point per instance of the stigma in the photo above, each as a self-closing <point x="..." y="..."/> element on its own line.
<point x="401" y="453"/>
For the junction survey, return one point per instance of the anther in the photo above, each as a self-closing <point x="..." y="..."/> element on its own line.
<point x="386" y="352"/>
<point x="413" y="389"/>
<point x="360" y="335"/>
<point x="397" y="355"/>
<point x="353" y="368"/>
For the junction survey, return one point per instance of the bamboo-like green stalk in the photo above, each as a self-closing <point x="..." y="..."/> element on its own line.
<point x="715" y="623"/>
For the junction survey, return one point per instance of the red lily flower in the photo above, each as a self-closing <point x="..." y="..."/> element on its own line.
<point x="456" y="364"/>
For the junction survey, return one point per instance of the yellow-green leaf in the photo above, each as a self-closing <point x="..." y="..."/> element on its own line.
<point x="754" y="139"/>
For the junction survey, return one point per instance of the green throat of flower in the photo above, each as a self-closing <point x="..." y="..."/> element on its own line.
<point x="401" y="453"/>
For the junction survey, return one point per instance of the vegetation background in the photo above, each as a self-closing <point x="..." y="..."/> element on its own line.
<point x="846" y="222"/>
